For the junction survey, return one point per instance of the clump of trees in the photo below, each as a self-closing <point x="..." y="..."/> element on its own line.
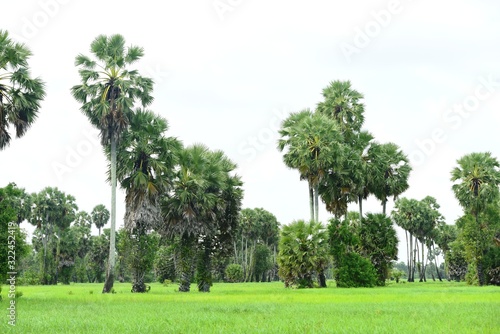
<point x="476" y="182"/>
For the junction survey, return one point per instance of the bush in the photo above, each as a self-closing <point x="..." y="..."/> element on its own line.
<point x="234" y="273"/>
<point x="397" y="274"/>
<point x="355" y="271"/>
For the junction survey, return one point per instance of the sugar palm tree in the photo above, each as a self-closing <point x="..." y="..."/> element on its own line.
<point x="108" y="93"/>
<point x="20" y="94"/>
<point x="312" y="145"/>
<point x="476" y="181"/>
<point x="190" y="208"/>
<point x="100" y="216"/>
<point x="343" y="103"/>
<point x="146" y="160"/>
<point x="390" y="171"/>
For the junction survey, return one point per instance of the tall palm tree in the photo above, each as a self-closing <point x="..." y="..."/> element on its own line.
<point x="313" y="145"/>
<point x="343" y="103"/>
<point x="476" y="181"/>
<point x="100" y="216"/>
<point x="390" y="171"/>
<point x="146" y="160"/>
<point x="108" y="93"/>
<point x="20" y="94"/>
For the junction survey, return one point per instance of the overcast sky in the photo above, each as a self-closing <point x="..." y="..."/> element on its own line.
<point x="227" y="72"/>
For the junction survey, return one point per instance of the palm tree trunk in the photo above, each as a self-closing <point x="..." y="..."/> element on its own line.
<point x="410" y="266"/>
<point x="316" y="203"/>
<point x="311" y="201"/>
<point x="110" y="274"/>
<point x="407" y="253"/>
<point x="204" y="271"/>
<point x="384" y="204"/>
<point x="186" y="263"/>
<point x="435" y="262"/>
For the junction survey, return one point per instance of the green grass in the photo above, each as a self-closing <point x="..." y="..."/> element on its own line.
<point x="430" y="307"/>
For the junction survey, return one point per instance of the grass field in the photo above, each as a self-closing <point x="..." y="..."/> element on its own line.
<point x="430" y="307"/>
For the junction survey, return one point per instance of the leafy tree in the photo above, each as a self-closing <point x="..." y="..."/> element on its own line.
<point x="303" y="254"/>
<point x="355" y="271"/>
<point x="52" y="214"/>
<point x="476" y="187"/>
<point x="108" y="93"/>
<point x="379" y="243"/>
<point x="20" y="94"/>
<point x="12" y="238"/>
<point x="100" y="216"/>
<point x="234" y="273"/>
<point x="256" y="227"/>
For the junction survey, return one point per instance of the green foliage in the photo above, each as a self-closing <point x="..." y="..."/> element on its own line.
<point x="379" y="243"/>
<point x="20" y="94"/>
<point x="456" y="263"/>
<point x="12" y="238"/>
<point x="355" y="271"/>
<point x="303" y="253"/>
<point x="164" y="263"/>
<point x="234" y="273"/>
<point x="397" y="274"/>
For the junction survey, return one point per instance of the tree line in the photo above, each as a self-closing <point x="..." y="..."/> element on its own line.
<point x="183" y="212"/>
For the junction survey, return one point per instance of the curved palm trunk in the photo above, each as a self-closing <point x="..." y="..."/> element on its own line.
<point x="110" y="274"/>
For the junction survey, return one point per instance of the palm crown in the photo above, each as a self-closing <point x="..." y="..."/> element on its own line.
<point x="20" y="95"/>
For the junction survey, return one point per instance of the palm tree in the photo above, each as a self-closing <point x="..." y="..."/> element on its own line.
<point x="476" y="181"/>
<point x="390" y="171"/>
<point x="145" y="166"/>
<point x="108" y="93"/>
<point x="20" y="94"/>
<point x="303" y="253"/>
<point x="190" y="209"/>
<point x="343" y="104"/>
<point x="314" y="147"/>
<point x="100" y="216"/>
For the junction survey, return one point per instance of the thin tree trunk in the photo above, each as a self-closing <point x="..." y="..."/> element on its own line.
<point x="435" y="262"/>
<point x="316" y="203"/>
<point x="186" y="263"/>
<point x="384" y="204"/>
<point x="407" y="253"/>
<point x="424" y="261"/>
<point x="110" y="274"/>
<point x="311" y="201"/>
<point x="410" y="266"/>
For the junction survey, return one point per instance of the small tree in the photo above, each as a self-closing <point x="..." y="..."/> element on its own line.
<point x="234" y="273"/>
<point x="303" y="253"/>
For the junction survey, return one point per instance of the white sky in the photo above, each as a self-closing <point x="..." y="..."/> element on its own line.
<point x="226" y="77"/>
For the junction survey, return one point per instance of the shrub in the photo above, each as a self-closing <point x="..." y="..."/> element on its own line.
<point x="397" y="274"/>
<point x="234" y="273"/>
<point x="355" y="271"/>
